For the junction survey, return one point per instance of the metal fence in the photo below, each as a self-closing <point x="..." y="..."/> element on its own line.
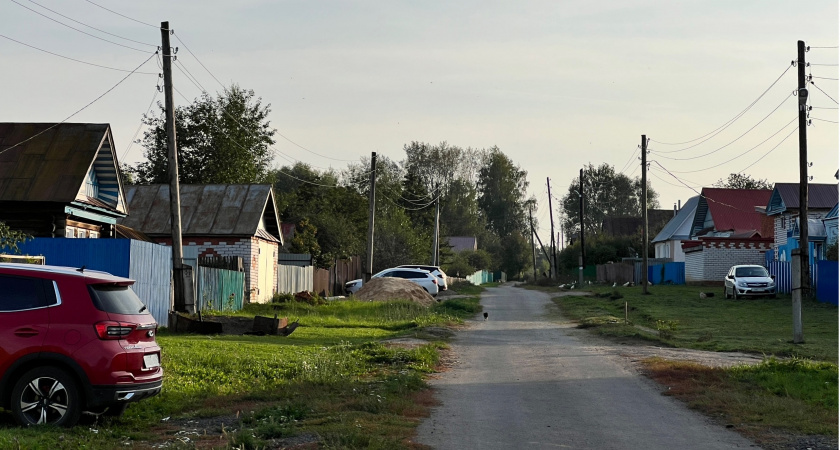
<point x="781" y="270"/>
<point x="293" y="279"/>
<point x="827" y="281"/>
<point x="667" y="273"/>
<point x="219" y="289"/>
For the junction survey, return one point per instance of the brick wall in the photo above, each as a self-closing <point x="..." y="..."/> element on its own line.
<point x="716" y="255"/>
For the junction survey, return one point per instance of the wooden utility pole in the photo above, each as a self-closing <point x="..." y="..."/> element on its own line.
<point x="180" y="300"/>
<point x="552" y="263"/>
<point x="436" y="240"/>
<point x="533" y="249"/>
<point x="804" y="251"/>
<point x="372" y="207"/>
<point x="582" y="242"/>
<point x="644" y="218"/>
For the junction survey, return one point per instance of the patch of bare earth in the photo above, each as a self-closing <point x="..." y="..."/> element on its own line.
<point x="388" y="289"/>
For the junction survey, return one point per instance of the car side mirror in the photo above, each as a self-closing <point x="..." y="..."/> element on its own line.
<point x="730" y="277"/>
<point x="773" y="276"/>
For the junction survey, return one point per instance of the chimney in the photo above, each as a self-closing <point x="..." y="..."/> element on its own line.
<point x="675" y="209"/>
<point x="679" y="205"/>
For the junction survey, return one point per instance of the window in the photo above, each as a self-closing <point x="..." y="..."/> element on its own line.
<point x="69" y="232"/>
<point x="116" y="299"/>
<point x="22" y="293"/>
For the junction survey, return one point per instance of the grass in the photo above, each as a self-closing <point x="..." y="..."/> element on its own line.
<point x="332" y="377"/>
<point x="678" y="317"/>
<point x="764" y="402"/>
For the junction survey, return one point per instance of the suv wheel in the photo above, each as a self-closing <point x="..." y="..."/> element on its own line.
<point x="46" y="396"/>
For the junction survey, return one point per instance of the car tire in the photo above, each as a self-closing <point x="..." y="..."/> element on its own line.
<point x="735" y="293"/>
<point x="725" y="293"/>
<point x="46" y="396"/>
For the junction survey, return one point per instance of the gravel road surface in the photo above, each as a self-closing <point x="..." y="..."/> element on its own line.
<point x="521" y="381"/>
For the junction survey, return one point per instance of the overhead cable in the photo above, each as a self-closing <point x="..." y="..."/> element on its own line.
<point x="121" y="15"/>
<point x="76" y="60"/>
<point x="92" y="27"/>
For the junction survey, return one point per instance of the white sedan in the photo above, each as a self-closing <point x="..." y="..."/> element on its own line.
<point x="748" y="280"/>
<point x="422" y="277"/>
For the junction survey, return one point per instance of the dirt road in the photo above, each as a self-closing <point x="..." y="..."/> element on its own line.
<point x="522" y="381"/>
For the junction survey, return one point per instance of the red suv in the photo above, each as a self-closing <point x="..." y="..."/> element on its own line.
<point x="73" y="341"/>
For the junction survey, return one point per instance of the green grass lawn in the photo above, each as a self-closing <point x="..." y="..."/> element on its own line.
<point x="332" y="376"/>
<point x="680" y="318"/>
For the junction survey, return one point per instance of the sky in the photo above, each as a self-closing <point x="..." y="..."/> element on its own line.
<point x="554" y="85"/>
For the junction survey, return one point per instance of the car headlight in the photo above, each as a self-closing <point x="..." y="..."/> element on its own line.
<point x="741" y="283"/>
<point x="772" y="283"/>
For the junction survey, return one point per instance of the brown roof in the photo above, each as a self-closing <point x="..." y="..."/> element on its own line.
<point x="820" y="196"/>
<point x="628" y="226"/>
<point x="48" y="162"/>
<point x="206" y="209"/>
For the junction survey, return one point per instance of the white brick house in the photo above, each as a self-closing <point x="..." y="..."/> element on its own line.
<point x="220" y="220"/>
<point x="709" y="259"/>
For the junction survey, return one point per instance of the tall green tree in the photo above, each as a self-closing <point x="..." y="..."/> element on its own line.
<point x="606" y="194"/>
<point x="223" y="139"/>
<point x="501" y="194"/>
<point x="743" y="181"/>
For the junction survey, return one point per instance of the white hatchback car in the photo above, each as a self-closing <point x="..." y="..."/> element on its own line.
<point x="748" y="280"/>
<point x="422" y="277"/>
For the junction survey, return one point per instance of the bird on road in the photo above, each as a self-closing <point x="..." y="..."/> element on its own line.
<point x="486" y="315"/>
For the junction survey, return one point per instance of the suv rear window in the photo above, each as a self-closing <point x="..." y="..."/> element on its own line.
<point x="116" y="299"/>
<point x="22" y="293"/>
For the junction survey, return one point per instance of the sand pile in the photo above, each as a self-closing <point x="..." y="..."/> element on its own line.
<point x="385" y="289"/>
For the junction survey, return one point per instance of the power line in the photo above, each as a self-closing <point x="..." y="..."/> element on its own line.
<point x="627" y="164"/>
<point x="826" y="94"/>
<point x="91" y="27"/>
<point x="728" y="122"/>
<point x="278" y="133"/>
<point x="787" y="98"/>
<point x="121" y="15"/>
<point x="76" y="29"/>
<point x="698" y="193"/>
<point x="742" y="154"/>
<point x="824" y="120"/>
<point x="80" y="110"/>
<point x="125" y="153"/>
<point x="76" y="60"/>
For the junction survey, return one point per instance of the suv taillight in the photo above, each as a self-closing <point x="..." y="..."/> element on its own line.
<point x="434" y="281"/>
<point x="113" y="330"/>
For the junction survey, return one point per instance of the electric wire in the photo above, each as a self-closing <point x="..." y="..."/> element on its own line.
<point x="700" y="194"/>
<point x="76" y="60"/>
<point x="80" y="110"/>
<point x="744" y="153"/>
<point x="824" y="93"/>
<point x="627" y="164"/>
<point x="824" y="120"/>
<point x="823" y="78"/>
<point x="136" y="132"/>
<point x="810" y="47"/>
<point x="92" y="27"/>
<point x="80" y="31"/>
<point x="278" y="133"/>
<point x="826" y="65"/>
<point x="122" y="15"/>
<point x="787" y="98"/>
<point x="728" y="122"/>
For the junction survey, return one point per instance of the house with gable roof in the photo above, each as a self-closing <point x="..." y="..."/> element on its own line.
<point x="238" y="220"/>
<point x="783" y="208"/>
<point x="668" y="243"/>
<point x="60" y="180"/>
<point x="726" y="230"/>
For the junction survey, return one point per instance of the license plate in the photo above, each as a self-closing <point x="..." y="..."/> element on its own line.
<point x="151" y="361"/>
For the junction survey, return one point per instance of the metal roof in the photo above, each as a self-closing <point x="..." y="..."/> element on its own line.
<point x="206" y="210"/>
<point x="786" y="197"/>
<point x="680" y="226"/>
<point x="731" y="209"/>
<point x="49" y="162"/>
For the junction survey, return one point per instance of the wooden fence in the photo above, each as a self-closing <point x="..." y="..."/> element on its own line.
<point x="614" y="273"/>
<point x="219" y="289"/>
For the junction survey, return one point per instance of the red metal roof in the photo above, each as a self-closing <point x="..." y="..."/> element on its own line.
<point x="734" y="209"/>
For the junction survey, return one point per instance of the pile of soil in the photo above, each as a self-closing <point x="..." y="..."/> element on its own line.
<point x="386" y="289"/>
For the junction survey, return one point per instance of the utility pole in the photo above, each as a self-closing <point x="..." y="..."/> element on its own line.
<point x="436" y="241"/>
<point x="372" y="207"/>
<point x="552" y="263"/>
<point x="804" y="250"/>
<point x="644" y="218"/>
<point x="180" y="301"/>
<point x="582" y="242"/>
<point x="533" y="249"/>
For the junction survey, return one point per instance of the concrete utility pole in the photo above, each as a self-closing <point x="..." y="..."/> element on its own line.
<point x="796" y="294"/>
<point x="803" y="171"/>
<point x="552" y="263"/>
<point x="644" y="218"/>
<point x="372" y="207"/>
<point x="181" y="302"/>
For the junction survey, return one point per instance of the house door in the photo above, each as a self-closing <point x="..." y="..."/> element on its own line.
<point x="267" y="274"/>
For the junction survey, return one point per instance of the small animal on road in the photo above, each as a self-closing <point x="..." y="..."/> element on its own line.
<point x="486" y="315"/>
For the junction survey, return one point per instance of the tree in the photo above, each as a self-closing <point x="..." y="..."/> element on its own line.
<point x="9" y="239"/>
<point x="742" y="181"/>
<point x="606" y="194"/>
<point x="501" y="194"/>
<point x="305" y="240"/>
<point x="225" y="139"/>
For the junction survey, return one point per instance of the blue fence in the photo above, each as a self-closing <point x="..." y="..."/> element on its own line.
<point x="667" y="273"/>
<point x="481" y="277"/>
<point x="147" y="263"/>
<point x="827" y="281"/>
<point x="220" y="289"/>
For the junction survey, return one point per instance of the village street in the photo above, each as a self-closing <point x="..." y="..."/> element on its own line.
<point x="522" y="381"/>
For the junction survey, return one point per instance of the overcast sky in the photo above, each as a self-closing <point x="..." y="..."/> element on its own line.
<point x="554" y="84"/>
